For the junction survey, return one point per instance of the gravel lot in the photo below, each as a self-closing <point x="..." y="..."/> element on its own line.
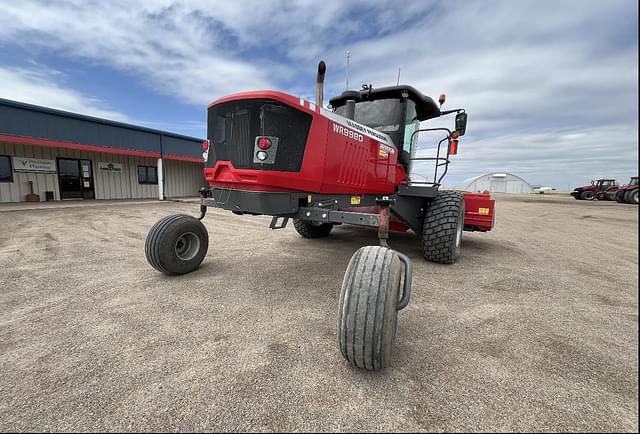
<point x="535" y="327"/>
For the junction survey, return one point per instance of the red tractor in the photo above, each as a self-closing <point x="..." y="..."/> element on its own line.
<point x="628" y="193"/>
<point x="603" y="189"/>
<point x="270" y="153"/>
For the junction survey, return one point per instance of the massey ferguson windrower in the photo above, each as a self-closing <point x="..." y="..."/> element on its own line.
<point x="270" y="153"/>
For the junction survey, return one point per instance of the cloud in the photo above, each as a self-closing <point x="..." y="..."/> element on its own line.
<point x="35" y="86"/>
<point x="565" y="158"/>
<point x="174" y="49"/>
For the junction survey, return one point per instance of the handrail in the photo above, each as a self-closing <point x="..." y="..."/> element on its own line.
<point x="445" y="160"/>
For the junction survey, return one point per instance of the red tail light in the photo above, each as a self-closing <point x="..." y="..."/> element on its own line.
<point x="264" y="143"/>
<point x="205" y="145"/>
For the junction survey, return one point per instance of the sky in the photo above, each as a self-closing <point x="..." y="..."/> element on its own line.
<point x="550" y="87"/>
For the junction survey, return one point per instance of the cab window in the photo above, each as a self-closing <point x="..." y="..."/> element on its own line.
<point x="411" y="123"/>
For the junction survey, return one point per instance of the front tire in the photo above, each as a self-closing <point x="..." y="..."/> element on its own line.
<point x="309" y="229"/>
<point x="367" y="317"/>
<point x="442" y="228"/>
<point x="586" y="195"/>
<point x="632" y="197"/>
<point x="177" y="244"/>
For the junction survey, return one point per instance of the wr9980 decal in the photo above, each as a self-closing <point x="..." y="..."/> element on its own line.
<point x="350" y="134"/>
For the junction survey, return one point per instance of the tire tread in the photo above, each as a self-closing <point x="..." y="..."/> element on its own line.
<point x="439" y="228"/>
<point x="363" y="311"/>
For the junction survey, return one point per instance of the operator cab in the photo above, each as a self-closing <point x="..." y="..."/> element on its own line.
<point x="603" y="184"/>
<point x="394" y="110"/>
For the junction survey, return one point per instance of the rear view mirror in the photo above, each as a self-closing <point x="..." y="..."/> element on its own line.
<point x="461" y="123"/>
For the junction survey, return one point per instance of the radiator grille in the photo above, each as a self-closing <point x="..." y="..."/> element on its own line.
<point x="233" y="126"/>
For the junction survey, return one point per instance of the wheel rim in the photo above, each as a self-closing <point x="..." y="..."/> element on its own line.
<point x="634" y="197"/>
<point x="187" y="246"/>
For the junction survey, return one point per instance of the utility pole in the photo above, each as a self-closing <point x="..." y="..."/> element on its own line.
<point x="348" y="54"/>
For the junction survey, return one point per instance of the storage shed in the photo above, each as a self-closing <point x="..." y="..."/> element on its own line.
<point x="498" y="182"/>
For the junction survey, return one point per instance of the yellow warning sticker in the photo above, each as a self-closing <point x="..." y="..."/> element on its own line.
<point x="355" y="200"/>
<point x="309" y="199"/>
<point x="483" y="211"/>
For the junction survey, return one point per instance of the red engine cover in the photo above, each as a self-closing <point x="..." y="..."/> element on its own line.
<point x="341" y="156"/>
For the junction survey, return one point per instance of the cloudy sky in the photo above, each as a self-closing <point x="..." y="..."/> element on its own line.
<point x="551" y="87"/>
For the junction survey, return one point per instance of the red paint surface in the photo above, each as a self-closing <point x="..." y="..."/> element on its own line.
<point x="332" y="163"/>
<point x="472" y="216"/>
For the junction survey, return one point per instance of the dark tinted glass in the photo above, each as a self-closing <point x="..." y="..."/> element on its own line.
<point x="6" y="173"/>
<point x="152" y="175"/>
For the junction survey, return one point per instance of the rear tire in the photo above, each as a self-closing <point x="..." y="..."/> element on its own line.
<point x="442" y="228"/>
<point x="586" y="195"/>
<point x="620" y="196"/>
<point x="308" y="229"/>
<point x="632" y="197"/>
<point x="177" y="244"/>
<point x="367" y="317"/>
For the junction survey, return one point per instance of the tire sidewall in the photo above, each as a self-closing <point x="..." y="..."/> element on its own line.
<point x="167" y="256"/>
<point x="459" y="232"/>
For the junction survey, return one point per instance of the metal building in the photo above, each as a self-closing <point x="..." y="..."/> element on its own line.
<point x="496" y="183"/>
<point x="48" y="154"/>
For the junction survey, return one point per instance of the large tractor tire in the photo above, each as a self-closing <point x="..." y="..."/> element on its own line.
<point x="442" y="228"/>
<point x="586" y="195"/>
<point x="177" y="244"/>
<point x="620" y="196"/>
<point x="631" y="196"/>
<point x="309" y="229"/>
<point x="368" y="317"/>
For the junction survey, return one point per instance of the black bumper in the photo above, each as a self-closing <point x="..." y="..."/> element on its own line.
<point x="254" y="202"/>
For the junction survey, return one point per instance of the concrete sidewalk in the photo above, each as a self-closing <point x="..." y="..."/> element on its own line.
<point x="58" y="204"/>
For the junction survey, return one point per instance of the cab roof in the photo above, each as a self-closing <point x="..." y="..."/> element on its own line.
<point x="426" y="108"/>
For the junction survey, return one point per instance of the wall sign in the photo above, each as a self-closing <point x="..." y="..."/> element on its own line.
<point x="33" y="165"/>
<point x="110" y="167"/>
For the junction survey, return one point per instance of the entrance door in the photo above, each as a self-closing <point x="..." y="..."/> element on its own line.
<point x="75" y="178"/>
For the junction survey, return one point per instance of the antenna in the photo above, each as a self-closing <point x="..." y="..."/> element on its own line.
<point x="348" y="54"/>
<point x="398" y="82"/>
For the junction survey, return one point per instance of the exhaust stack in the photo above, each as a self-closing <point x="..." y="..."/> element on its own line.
<point x="322" y="68"/>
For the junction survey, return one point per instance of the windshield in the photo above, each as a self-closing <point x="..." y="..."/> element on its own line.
<point x="634" y="181"/>
<point x="381" y="114"/>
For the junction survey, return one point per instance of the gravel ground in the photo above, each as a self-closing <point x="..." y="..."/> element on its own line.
<point x="535" y="328"/>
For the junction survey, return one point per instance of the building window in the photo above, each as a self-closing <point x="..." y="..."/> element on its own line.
<point x="147" y="175"/>
<point x="6" y="171"/>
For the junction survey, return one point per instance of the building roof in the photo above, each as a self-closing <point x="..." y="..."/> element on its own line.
<point x="43" y="126"/>
<point x="467" y="182"/>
